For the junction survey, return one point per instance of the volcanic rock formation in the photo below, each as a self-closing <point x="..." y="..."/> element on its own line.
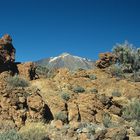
<point x="7" y="50"/>
<point x="7" y="60"/>
<point x="105" y="60"/>
<point x="18" y="104"/>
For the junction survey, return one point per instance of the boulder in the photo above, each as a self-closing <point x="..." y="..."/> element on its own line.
<point x="105" y="60"/>
<point x="27" y="70"/>
<point x="118" y="133"/>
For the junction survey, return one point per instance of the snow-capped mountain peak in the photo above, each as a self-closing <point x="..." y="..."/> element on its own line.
<point x="68" y="61"/>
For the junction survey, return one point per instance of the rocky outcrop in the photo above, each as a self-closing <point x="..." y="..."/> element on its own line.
<point x="22" y="105"/>
<point x="7" y="54"/>
<point x="7" y="50"/>
<point x="27" y="70"/>
<point x="105" y="60"/>
<point x="84" y="108"/>
<point x="18" y="104"/>
<point x="7" y="60"/>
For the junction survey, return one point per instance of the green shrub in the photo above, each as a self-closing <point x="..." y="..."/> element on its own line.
<point x="116" y="71"/>
<point x="92" y="77"/>
<point x="137" y="130"/>
<point x="79" y="89"/>
<point x="136" y="126"/>
<point x="116" y="93"/>
<point x="10" y="135"/>
<point x="34" y="131"/>
<point x="128" y="57"/>
<point x="42" y="71"/>
<point x="65" y="96"/>
<point x="106" y="120"/>
<point x="132" y="110"/>
<point x="89" y="126"/>
<point x="17" y="81"/>
<point x="61" y="116"/>
<point x="137" y="76"/>
<point x="94" y="90"/>
<point x="104" y="99"/>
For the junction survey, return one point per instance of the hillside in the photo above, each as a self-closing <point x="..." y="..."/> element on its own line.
<point x="99" y="103"/>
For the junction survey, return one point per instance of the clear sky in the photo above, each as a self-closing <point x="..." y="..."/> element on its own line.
<point x="44" y="28"/>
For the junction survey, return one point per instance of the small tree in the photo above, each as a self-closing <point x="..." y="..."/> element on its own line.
<point x="128" y="56"/>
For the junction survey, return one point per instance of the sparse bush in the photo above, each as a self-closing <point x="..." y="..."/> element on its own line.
<point x="128" y="61"/>
<point x="136" y="127"/>
<point x="65" y="96"/>
<point x="6" y="125"/>
<point x="137" y="76"/>
<point x="42" y="71"/>
<point x="128" y="57"/>
<point x="89" y="126"/>
<point x="104" y="99"/>
<point x="92" y="77"/>
<point x="34" y="131"/>
<point x="61" y="116"/>
<point x="116" y="71"/>
<point x="132" y="110"/>
<point x="94" y="90"/>
<point x="137" y="130"/>
<point x="106" y="120"/>
<point x="17" y="81"/>
<point x="116" y="93"/>
<point x="10" y="135"/>
<point x="79" y="89"/>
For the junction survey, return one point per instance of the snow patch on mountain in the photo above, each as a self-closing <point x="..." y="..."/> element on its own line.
<point x="66" y="60"/>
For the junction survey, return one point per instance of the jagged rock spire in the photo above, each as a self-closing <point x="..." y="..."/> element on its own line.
<point x="7" y="50"/>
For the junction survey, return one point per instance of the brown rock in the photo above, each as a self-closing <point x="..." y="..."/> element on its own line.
<point x="20" y="106"/>
<point x="7" y="51"/>
<point x="57" y="124"/>
<point x="115" y="110"/>
<point x="89" y="105"/>
<point x="35" y="102"/>
<point x="116" y="133"/>
<point x="27" y="70"/>
<point x="100" y="135"/>
<point x="7" y="60"/>
<point x="106" y="59"/>
<point x="74" y="125"/>
<point x="99" y="116"/>
<point x="22" y="99"/>
<point x="73" y="114"/>
<point x="83" y="136"/>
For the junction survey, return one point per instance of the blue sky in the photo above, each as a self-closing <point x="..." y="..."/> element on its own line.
<point x="44" y="28"/>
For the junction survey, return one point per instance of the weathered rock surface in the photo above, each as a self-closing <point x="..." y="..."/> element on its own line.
<point x="21" y="105"/>
<point x="7" y="50"/>
<point x="105" y="60"/>
<point x="7" y="60"/>
<point x="116" y="133"/>
<point x="27" y="70"/>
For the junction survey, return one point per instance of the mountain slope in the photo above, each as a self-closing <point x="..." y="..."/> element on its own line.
<point x="66" y="60"/>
